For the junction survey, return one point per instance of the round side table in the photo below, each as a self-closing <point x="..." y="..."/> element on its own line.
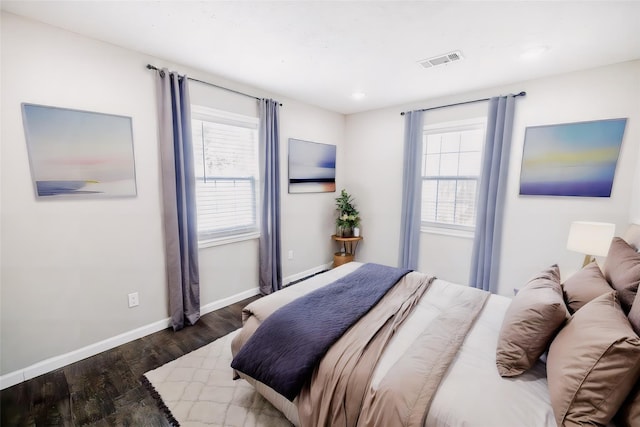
<point x="348" y="252"/>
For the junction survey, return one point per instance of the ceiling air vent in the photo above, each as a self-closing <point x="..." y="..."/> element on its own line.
<point x="442" y="59"/>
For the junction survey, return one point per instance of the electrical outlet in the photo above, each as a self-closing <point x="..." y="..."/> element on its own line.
<point x="133" y="299"/>
<point x="290" y="255"/>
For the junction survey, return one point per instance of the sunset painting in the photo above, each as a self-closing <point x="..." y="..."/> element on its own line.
<point x="573" y="159"/>
<point x="79" y="153"/>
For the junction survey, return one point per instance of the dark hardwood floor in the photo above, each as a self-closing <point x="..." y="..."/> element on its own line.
<point x="106" y="389"/>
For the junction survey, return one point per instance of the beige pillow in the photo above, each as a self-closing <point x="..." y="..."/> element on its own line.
<point x="592" y="364"/>
<point x="532" y="319"/>
<point x="629" y="414"/>
<point x="583" y="286"/>
<point x="634" y="314"/>
<point x="622" y="271"/>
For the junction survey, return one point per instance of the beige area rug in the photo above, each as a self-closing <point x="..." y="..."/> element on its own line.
<point x="198" y="389"/>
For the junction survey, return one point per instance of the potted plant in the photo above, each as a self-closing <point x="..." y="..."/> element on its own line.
<point x="348" y="215"/>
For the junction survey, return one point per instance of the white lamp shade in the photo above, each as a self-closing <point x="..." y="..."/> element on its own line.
<point x="590" y="238"/>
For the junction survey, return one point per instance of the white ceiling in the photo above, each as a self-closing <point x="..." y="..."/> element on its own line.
<point x="321" y="52"/>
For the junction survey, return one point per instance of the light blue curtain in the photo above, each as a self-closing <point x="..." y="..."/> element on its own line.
<point x="178" y="198"/>
<point x="411" y="190"/>
<point x="269" y="251"/>
<point x="491" y="194"/>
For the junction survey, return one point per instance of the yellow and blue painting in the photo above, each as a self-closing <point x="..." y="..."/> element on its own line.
<point x="312" y="167"/>
<point x="571" y="159"/>
<point x="76" y="153"/>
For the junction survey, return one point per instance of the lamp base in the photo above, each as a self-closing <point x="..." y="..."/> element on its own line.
<point x="587" y="259"/>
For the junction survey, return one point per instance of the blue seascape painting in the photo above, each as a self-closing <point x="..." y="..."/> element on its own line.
<point x="79" y="153"/>
<point x="312" y="167"/>
<point x="572" y="159"/>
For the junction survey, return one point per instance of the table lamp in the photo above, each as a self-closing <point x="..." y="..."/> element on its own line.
<point x="590" y="238"/>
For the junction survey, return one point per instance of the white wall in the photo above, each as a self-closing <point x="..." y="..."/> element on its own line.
<point x="309" y="219"/>
<point x="67" y="266"/>
<point x="535" y="228"/>
<point x="374" y="152"/>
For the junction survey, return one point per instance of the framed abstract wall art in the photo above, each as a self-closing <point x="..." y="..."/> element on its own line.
<point x="571" y="159"/>
<point x="79" y="154"/>
<point x="312" y="167"/>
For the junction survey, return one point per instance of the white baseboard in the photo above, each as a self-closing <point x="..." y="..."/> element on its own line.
<point x="217" y="305"/>
<point x="307" y="273"/>
<point x="57" y="362"/>
<point x="12" y="378"/>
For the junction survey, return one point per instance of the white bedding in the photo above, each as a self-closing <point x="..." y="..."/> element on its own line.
<point x="472" y="393"/>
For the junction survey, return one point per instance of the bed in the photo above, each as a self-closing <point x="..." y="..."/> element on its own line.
<point x="428" y="371"/>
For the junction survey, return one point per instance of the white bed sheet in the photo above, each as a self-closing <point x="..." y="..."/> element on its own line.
<point x="472" y="393"/>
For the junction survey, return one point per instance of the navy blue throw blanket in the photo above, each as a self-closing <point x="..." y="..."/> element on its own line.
<point x="287" y="346"/>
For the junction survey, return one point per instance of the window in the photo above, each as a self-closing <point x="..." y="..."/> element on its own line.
<point x="452" y="155"/>
<point x="225" y="149"/>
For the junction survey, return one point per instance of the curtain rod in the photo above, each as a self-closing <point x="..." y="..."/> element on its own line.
<point x="151" y="67"/>
<point x="460" y="103"/>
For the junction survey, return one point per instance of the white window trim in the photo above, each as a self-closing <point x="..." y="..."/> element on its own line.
<point x="200" y="112"/>
<point x="442" y="229"/>
<point x="208" y="243"/>
<point x="204" y="113"/>
<point x="456" y="125"/>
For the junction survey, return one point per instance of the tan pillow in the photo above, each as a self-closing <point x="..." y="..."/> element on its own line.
<point x="622" y="271"/>
<point x="583" y="286"/>
<point x="532" y="319"/>
<point x="629" y="414"/>
<point x="592" y="364"/>
<point x="634" y="314"/>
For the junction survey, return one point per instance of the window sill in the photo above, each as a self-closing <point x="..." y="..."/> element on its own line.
<point x="443" y="231"/>
<point x="227" y="240"/>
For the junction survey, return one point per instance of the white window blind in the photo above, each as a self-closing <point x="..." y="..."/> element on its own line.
<point x="452" y="156"/>
<point x="226" y="170"/>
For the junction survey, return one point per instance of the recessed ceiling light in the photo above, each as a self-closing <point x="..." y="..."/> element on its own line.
<point x="358" y="95"/>
<point x="533" y="52"/>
